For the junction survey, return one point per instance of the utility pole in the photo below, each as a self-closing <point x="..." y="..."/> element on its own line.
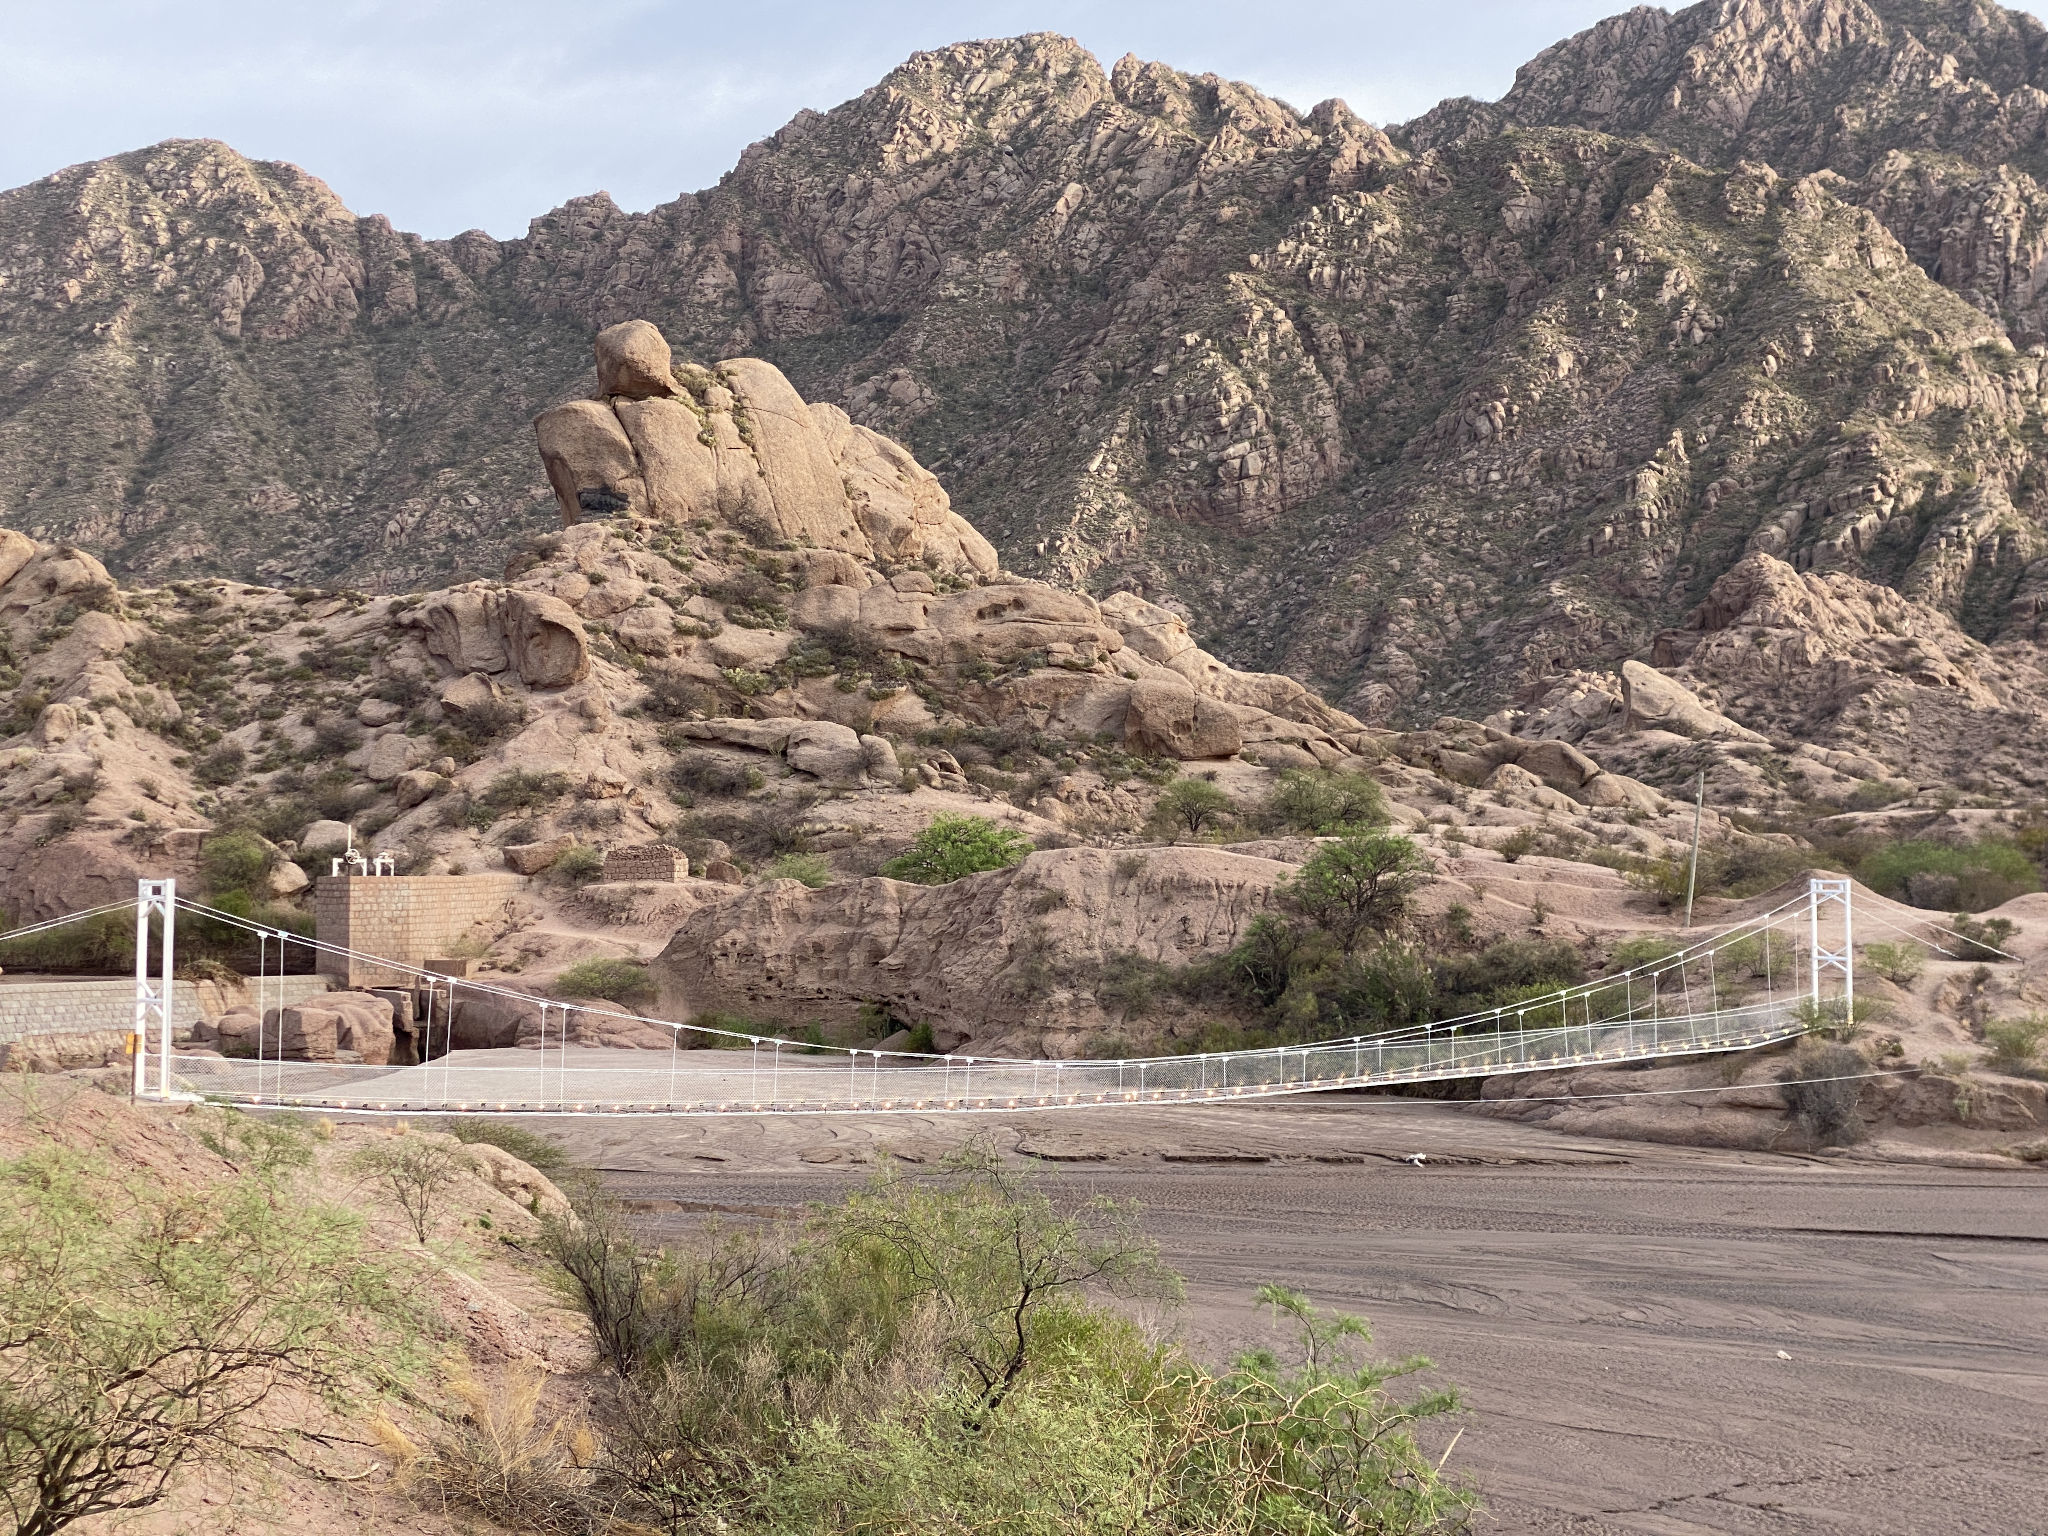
<point x="1699" y="801"/>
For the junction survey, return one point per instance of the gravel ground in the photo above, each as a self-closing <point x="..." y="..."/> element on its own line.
<point x="1615" y="1313"/>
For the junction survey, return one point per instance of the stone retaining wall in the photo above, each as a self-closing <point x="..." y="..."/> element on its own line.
<point x="80" y="1007"/>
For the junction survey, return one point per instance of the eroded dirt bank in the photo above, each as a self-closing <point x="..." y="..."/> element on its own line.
<point x="1615" y="1312"/>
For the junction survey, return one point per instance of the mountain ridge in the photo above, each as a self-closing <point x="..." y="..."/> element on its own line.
<point x="1426" y="416"/>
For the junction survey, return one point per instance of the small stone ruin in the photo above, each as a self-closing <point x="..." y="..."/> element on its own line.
<point x="646" y="861"/>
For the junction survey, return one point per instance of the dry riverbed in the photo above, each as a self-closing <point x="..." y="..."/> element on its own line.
<point x="1651" y="1339"/>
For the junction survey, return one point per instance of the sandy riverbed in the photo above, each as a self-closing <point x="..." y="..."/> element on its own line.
<point x="1615" y="1312"/>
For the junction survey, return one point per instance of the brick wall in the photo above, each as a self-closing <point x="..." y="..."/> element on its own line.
<point x="408" y="918"/>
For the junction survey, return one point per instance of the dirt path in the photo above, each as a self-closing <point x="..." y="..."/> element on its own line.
<point x="1614" y="1312"/>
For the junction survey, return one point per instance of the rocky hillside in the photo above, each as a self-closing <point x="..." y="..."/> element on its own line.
<point x="1427" y="416"/>
<point x="747" y="628"/>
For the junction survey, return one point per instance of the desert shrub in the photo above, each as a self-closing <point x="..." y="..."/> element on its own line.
<point x="952" y="847"/>
<point x="710" y="773"/>
<point x="1192" y="805"/>
<point x="1507" y="970"/>
<point x="503" y="1459"/>
<point x="579" y="865"/>
<point x="517" y="790"/>
<point x="1357" y="885"/>
<point x="104" y="944"/>
<point x="335" y="737"/>
<point x="1766" y="954"/>
<point x="1982" y="938"/>
<point x="617" y="980"/>
<point x="223" y="765"/>
<point x="809" y="868"/>
<point x="1972" y="876"/>
<point x="1821" y="1084"/>
<point x="414" y="1171"/>
<point x="747" y="684"/>
<point x="672" y="696"/>
<point x="408" y="690"/>
<point x="1325" y="803"/>
<point x="165" y="660"/>
<point x="2016" y="1043"/>
<point x="1875" y="794"/>
<point x="1385" y="986"/>
<point x="150" y="1324"/>
<point x="1897" y="963"/>
<point x="1129" y="984"/>
<point x="1518" y="842"/>
<point x="1645" y="949"/>
<point x="1832" y="1018"/>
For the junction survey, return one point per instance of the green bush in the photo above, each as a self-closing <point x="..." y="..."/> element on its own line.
<point x="954" y="846"/>
<point x="579" y="865"/>
<point x="1357" y="885"/>
<point x="1507" y="970"/>
<point x="1983" y="938"/>
<point x="943" y="1355"/>
<point x="809" y="868"/>
<point x="1192" y="805"/>
<point x="1518" y="842"/>
<point x="1325" y="803"/>
<point x="1897" y="963"/>
<point x="517" y="791"/>
<point x="2016" y="1044"/>
<point x="1645" y="949"/>
<point x="222" y="766"/>
<point x="1972" y="876"/>
<point x="233" y="861"/>
<point x="616" y="980"/>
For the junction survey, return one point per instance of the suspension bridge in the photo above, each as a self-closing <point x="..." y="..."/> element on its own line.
<point x="1762" y="981"/>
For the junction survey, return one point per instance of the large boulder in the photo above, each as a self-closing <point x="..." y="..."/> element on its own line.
<point x="462" y="629"/>
<point x="827" y="751"/>
<point x="633" y="360"/>
<point x="805" y="487"/>
<point x="589" y="461"/>
<point x="468" y="694"/>
<point x="488" y="1021"/>
<point x="546" y="640"/>
<point x="389" y="756"/>
<point x="16" y="550"/>
<point x="1654" y="702"/>
<point x="1174" y="721"/>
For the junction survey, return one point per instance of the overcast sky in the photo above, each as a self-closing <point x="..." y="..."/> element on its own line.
<point x="453" y="114"/>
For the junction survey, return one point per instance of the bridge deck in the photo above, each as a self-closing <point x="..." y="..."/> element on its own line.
<point x="780" y="1079"/>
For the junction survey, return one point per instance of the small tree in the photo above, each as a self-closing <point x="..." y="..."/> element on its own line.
<point x="146" y="1327"/>
<point x="1897" y="963"/>
<point x="954" y="846"/>
<point x="415" y="1170"/>
<point x="1359" y="885"/>
<point x="1190" y="805"/>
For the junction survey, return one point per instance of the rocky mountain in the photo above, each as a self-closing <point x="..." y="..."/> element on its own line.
<point x="1431" y="417"/>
